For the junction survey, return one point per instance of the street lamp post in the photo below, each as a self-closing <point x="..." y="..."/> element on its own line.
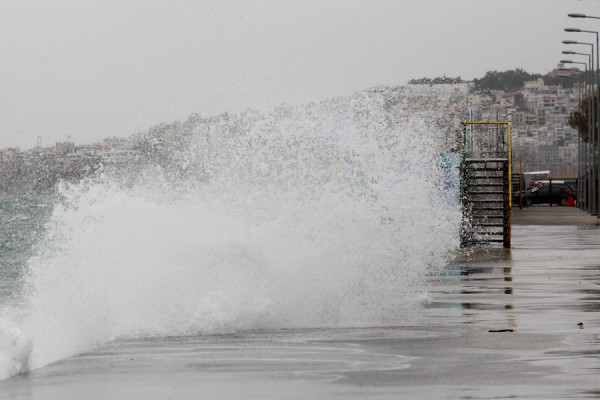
<point x="581" y="77"/>
<point x="590" y="170"/>
<point x="593" y="192"/>
<point x="595" y="138"/>
<point x="597" y="73"/>
<point x="583" y="182"/>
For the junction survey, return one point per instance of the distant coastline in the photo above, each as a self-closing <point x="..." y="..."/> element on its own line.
<point x="538" y="111"/>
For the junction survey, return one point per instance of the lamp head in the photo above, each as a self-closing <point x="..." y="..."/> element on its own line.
<point x="572" y="30"/>
<point x="570" y="42"/>
<point x="577" y="15"/>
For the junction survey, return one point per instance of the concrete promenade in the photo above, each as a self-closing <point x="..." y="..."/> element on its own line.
<point x="555" y="215"/>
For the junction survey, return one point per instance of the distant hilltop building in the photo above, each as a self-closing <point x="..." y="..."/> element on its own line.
<point x="562" y="70"/>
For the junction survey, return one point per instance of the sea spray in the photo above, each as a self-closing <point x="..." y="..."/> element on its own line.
<point x="314" y="216"/>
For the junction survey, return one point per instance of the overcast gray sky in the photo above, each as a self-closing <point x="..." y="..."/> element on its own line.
<point x="91" y="69"/>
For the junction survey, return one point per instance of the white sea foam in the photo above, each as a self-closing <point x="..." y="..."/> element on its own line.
<point x="314" y="216"/>
<point x="15" y="347"/>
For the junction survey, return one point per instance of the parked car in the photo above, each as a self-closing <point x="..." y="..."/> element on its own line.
<point x="540" y="194"/>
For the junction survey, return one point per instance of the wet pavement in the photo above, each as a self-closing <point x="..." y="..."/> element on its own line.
<point x="552" y="215"/>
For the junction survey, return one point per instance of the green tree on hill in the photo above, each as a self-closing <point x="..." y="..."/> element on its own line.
<point x="436" y="81"/>
<point x="579" y="118"/>
<point x="507" y="80"/>
<point x="515" y="79"/>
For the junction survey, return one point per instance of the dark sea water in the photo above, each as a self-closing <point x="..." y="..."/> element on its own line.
<point x="22" y="220"/>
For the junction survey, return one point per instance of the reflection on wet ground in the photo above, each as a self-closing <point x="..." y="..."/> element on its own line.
<point x="549" y="283"/>
<point x="542" y="285"/>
